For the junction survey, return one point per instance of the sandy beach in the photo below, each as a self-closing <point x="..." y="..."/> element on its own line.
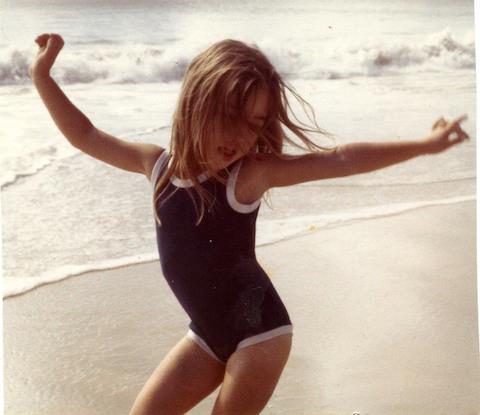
<point x="384" y="314"/>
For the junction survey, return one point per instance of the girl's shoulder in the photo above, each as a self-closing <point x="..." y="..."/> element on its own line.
<point x="251" y="184"/>
<point x="151" y="158"/>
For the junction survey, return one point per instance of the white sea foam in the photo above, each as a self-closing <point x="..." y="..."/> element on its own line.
<point x="27" y="166"/>
<point x="268" y="232"/>
<point x="337" y="58"/>
<point x="30" y="163"/>
<point x="273" y="231"/>
<point x="17" y="286"/>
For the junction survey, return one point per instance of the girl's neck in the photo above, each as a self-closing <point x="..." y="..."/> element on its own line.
<point x="223" y="173"/>
<point x="182" y="174"/>
<point x="200" y="169"/>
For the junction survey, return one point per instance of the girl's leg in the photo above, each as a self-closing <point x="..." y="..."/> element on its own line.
<point x="184" y="377"/>
<point x="251" y="376"/>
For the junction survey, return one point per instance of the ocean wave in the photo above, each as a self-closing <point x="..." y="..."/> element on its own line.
<point x="335" y="59"/>
<point x="27" y="165"/>
<point x="376" y="57"/>
<point x="268" y="232"/>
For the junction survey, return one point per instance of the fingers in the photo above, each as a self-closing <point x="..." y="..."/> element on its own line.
<point x="456" y="130"/>
<point x="50" y="45"/>
<point x="462" y="135"/>
<point x="42" y="39"/>
<point x="454" y="127"/>
<point x="50" y="40"/>
<point x="456" y="122"/>
<point x="460" y="119"/>
<point x="441" y="122"/>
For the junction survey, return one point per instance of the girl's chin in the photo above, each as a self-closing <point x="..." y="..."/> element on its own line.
<point x="224" y="160"/>
<point x="223" y="164"/>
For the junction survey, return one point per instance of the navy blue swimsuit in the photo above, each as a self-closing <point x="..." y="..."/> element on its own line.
<point x="212" y="269"/>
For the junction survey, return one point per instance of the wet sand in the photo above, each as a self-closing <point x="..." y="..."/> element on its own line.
<point x="384" y="314"/>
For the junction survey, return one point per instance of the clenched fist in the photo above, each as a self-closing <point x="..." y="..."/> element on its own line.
<point x="50" y="45"/>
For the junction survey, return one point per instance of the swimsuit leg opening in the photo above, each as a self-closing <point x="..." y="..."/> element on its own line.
<point x="288" y="329"/>
<point x="203" y="345"/>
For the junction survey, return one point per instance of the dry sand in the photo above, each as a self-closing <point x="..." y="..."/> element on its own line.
<point x="384" y="314"/>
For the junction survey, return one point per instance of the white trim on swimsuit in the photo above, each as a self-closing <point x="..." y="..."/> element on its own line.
<point x="157" y="168"/>
<point x="231" y="183"/>
<point x="232" y="199"/>
<point x="258" y="338"/>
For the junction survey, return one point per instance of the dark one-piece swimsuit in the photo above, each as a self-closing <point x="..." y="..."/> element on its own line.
<point x="211" y="267"/>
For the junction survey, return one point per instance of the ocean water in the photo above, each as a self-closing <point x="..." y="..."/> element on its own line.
<point x="373" y="70"/>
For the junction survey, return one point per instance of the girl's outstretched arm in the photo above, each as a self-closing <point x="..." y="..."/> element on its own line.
<point x="75" y="126"/>
<point x="356" y="158"/>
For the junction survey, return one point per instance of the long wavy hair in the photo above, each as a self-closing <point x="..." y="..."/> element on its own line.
<point x="217" y="85"/>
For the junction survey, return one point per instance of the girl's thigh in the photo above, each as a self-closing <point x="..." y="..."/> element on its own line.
<point x="184" y="377"/>
<point x="251" y="376"/>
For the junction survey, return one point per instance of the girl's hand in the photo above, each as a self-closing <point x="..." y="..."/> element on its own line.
<point x="446" y="134"/>
<point x="49" y="47"/>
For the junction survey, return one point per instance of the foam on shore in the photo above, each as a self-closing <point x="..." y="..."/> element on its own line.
<point x="269" y="232"/>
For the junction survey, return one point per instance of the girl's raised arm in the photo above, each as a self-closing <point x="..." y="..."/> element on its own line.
<point x="355" y="158"/>
<point x="76" y="127"/>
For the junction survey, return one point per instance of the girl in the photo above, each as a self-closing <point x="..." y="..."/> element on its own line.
<point x="225" y="153"/>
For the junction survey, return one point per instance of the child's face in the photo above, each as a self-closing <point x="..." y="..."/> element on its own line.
<point x="229" y="148"/>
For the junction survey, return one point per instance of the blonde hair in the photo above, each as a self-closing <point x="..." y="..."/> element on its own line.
<point x="226" y="76"/>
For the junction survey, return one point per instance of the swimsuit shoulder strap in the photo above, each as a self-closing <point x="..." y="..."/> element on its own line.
<point x="231" y="198"/>
<point x="158" y="168"/>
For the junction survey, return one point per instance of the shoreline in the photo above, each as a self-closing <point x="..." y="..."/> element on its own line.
<point x="370" y="214"/>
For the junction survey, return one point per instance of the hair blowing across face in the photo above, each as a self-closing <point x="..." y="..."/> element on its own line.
<point x="213" y="100"/>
